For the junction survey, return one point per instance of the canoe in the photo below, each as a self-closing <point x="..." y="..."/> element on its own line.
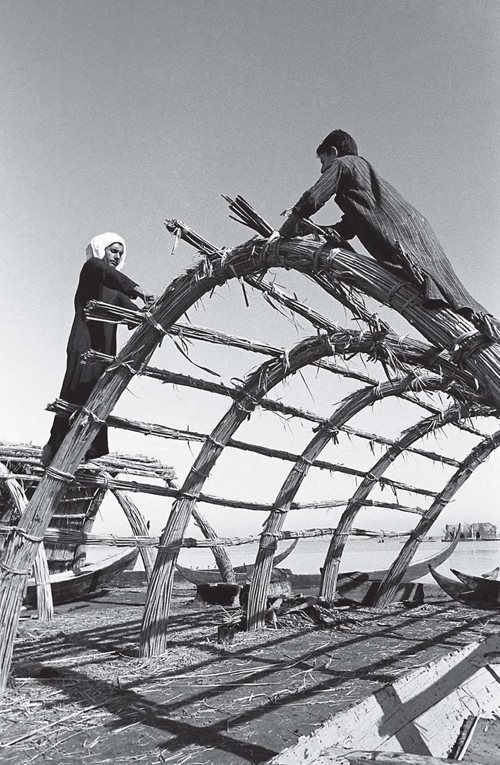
<point x="311" y="581"/>
<point x="472" y="581"/>
<point x="472" y="591"/>
<point x="67" y="586"/>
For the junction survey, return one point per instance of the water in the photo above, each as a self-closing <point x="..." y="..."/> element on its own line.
<point x="360" y="555"/>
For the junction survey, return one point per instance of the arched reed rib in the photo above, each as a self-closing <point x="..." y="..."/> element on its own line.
<point x="442" y="327"/>
<point x="422" y="428"/>
<point x="44" y="602"/>
<point x="80" y="554"/>
<point x="347" y="409"/>
<point x="474" y="459"/>
<point x="139" y="528"/>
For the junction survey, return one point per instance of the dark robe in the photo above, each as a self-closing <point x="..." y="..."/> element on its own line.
<point x="98" y="281"/>
<point x="390" y="228"/>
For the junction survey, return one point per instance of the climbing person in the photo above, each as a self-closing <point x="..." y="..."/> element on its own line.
<point x="392" y="230"/>
<point x="100" y="279"/>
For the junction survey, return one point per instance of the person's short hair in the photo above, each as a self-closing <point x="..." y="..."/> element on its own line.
<point x="342" y="141"/>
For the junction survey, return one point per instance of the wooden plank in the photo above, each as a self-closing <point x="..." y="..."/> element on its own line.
<point x="421" y="712"/>
<point x="354" y="757"/>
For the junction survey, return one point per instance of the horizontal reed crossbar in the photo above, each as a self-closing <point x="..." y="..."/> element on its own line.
<point x="112" y="540"/>
<point x="162" y="431"/>
<point x="197" y="383"/>
<point x="121" y="484"/>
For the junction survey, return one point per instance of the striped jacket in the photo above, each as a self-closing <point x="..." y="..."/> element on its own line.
<point x="388" y="226"/>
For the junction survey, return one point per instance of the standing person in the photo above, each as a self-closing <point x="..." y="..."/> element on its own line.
<point x="390" y="228"/>
<point x="100" y="279"/>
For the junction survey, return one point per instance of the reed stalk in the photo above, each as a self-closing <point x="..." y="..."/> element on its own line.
<point x="417" y="353"/>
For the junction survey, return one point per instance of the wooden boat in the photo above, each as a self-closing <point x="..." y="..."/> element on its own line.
<point x="347" y="581"/>
<point x="68" y="586"/>
<point x="472" y="591"/>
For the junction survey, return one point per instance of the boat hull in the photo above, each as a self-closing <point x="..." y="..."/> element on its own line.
<point x="67" y="587"/>
<point x="478" y="593"/>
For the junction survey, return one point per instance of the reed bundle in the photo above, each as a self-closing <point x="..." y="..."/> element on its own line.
<point x="114" y="540"/>
<point x="178" y="228"/>
<point x="244" y="213"/>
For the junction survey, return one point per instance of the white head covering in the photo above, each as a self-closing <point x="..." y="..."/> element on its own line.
<point x="97" y="246"/>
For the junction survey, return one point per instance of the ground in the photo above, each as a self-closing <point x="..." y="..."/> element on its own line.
<point x="80" y="694"/>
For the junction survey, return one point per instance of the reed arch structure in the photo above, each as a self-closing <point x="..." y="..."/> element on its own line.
<point x="455" y="359"/>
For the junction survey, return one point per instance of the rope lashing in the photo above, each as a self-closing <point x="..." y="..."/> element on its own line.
<point x="417" y="537"/>
<point x="15" y="571"/>
<point x="149" y="318"/>
<point x="286" y="360"/>
<point x="328" y="428"/>
<point x="59" y="475"/>
<point x="394" y="290"/>
<point x="243" y="408"/>
<point x="92" y="415"/>
<point x="272" y="251"/>
<point x="466" y="345"/>
<point x="126" y="365"/>
<point x="219" y="444"/>
<point x="23" y="533"/>
<point x="187" y="495"/>
<point x="200" y="473"/>
<point x="462" y="348"/>
<point x="305" y="461"/>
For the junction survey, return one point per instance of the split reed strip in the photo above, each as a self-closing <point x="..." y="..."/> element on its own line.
<point x="63" y="536"/>
<point x="106" y="312"/>
<point x="119" y="484"/>
<point x="163" y="431"/>
<point x="197" y="383"/>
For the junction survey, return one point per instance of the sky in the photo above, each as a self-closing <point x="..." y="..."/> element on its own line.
<point x="119" y="114"/>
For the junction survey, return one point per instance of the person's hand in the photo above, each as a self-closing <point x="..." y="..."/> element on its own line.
<point x="148" y="299"/>
<point x="289" y="227"/>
